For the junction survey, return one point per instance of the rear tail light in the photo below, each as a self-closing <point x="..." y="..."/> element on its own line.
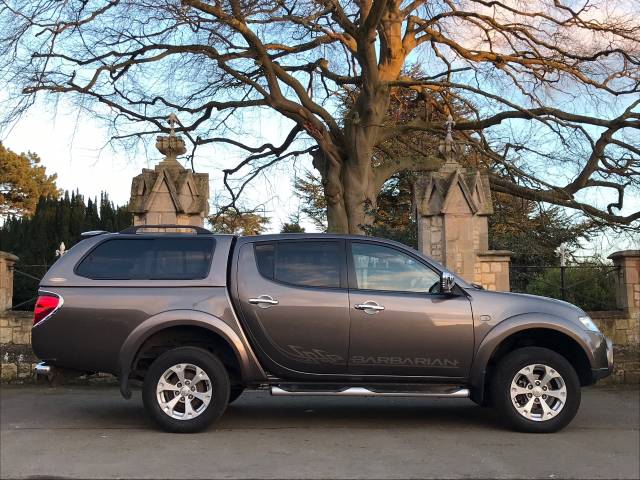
<point x="45" y="306"/>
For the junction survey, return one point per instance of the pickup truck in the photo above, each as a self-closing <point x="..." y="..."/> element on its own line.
<point x="198" y="318"/>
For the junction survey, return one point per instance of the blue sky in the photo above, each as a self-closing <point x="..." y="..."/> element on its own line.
<point x="74" y="147"/>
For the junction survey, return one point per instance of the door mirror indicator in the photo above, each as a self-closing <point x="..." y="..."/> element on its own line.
<point x="447" y="282"/>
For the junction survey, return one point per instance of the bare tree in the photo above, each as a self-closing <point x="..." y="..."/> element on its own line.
<point x="549" y="88"/>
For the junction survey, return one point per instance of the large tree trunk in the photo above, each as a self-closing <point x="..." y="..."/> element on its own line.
<point x="349" y="192"/>
<point x="349" y="183"/>
<point x="350" y="188"/>
<point x="357" y="180"/>
<point x="352" y="211"/>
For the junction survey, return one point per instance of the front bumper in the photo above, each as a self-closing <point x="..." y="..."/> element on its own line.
<point x="599" y="373"/>
<point x="609" y="354"/>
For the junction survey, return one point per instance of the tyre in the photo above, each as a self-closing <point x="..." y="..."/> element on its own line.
<point x="535" y="390"/>
<point x="234" y="393"/>
<point x="185" y="390"/>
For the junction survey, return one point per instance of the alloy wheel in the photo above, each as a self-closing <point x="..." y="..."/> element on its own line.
<point x="538" y="392"/>
<point x="184" y="391"/>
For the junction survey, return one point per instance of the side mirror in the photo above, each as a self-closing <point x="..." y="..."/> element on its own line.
<point x="447" y="282"/>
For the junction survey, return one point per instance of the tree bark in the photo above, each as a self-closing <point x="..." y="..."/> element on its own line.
<point x="351" y="189"/>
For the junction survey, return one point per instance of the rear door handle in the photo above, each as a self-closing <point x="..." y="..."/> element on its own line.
<point x="264" y="301"/>
<point x="370" y="307"/>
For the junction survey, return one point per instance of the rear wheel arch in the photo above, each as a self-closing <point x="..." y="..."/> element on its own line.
<point x="162" y="331"/>
<point x="559" y="340"/>
<point x="176" y="336"/>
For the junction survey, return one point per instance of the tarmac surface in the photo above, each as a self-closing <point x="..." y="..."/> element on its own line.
<point x="91" y="432"/>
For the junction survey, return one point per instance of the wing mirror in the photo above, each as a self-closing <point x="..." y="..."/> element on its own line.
<point x="447" y="282"/>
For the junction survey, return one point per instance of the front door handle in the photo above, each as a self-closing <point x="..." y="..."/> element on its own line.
<point x="264" y="301"/>
<point x="370" y="307"/>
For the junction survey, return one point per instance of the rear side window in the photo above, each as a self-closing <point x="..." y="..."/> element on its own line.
<point x="149" y="259"/>
<point x="306" y="263"/>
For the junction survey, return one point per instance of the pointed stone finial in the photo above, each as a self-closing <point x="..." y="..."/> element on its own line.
<point x="449" y="126"/>
<point x="172" y="119"/>
<point x="171" y="146"/>
<point x="447" y="148"/>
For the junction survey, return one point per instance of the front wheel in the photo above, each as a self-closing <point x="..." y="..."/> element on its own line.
<point x="535" y="390"/>
<point x="186" y="389"/>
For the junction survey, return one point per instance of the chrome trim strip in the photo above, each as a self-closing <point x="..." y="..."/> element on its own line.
<point x="365" y="392"/>
<point x="50" y="314"/>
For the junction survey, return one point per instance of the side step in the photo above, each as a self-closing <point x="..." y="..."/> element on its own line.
<point x="367" y="392"/>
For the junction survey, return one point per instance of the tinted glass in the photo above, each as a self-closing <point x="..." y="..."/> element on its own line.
<point x="383" y="268"/>
<point x="265" y="256"/>
<point x="305" y="263"/>
<point x="149" y="259"/>
<point x="182" y="258"/>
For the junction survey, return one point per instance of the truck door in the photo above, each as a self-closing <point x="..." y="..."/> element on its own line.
<point x="294" y="302"/>
<point x="400" y="323"/>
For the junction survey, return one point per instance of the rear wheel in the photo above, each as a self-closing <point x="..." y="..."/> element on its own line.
<point x="186" y="389"/>
<point x="535" y="390"/>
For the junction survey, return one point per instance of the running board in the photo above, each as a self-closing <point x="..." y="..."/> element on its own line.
<point x="365" y="392"/>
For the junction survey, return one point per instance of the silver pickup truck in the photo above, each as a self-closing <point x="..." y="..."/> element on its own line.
<point x="199" y="317"/>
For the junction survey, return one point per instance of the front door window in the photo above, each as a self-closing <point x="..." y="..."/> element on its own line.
<point x="382" y="268"/>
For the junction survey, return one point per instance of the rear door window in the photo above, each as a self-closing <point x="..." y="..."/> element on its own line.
<point x="301" y="263"/>
<point x="149" y="259"/>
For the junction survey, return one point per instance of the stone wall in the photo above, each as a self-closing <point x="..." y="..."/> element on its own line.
<point x="620" y="327"/>
<point x="17" y="358"/>
<point x="624" y="330"/>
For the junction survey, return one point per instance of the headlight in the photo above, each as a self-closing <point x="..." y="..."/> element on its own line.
<point x="589" y="324"/>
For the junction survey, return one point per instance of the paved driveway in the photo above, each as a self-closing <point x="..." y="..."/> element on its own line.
<point x="92" y="432"/>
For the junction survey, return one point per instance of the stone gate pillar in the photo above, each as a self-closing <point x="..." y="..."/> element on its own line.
<point x="170" y="193"/>
<point x="628" y="281"/>
<point x="7" y="261"/>
<point x="452" y="205"/>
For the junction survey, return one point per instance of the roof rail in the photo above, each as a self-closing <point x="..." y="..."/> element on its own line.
<point x="198" y="230"/>
<point x="93" y="233"/>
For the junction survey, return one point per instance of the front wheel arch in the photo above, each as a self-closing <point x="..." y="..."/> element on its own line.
<point x="497" y="345"/>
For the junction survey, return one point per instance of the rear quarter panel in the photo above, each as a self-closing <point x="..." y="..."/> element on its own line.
<point x="89" y="330"/>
